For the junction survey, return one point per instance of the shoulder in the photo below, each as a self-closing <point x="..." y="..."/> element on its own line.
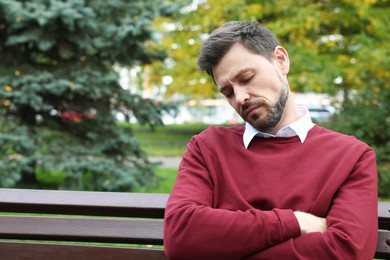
<point x="220" y="134"/>
<point x="337" y="139"/>
<point x="218" y="131"/>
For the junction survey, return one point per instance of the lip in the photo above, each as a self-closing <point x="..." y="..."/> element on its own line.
<point x="249" y="111"/>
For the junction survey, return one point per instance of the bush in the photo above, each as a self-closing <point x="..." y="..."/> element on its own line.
<point x="367" y="116"/>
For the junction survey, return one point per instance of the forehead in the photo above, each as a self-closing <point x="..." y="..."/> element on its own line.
<point x="237" y="60"/>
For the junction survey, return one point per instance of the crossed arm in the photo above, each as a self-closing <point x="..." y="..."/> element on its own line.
<point x="195" y="230"/>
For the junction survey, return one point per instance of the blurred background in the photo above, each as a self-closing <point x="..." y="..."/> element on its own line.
<point x="105" y="95"/>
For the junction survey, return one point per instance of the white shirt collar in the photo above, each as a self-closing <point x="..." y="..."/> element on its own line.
<point x="300" y="128"/>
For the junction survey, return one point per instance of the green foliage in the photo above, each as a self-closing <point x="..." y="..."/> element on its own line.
<point x="366" y="115"/>
<point x="49" y="32"/>
<point x="326" y="40"/>
<point x="16" y="151"/>
<point x="59" y="92"/>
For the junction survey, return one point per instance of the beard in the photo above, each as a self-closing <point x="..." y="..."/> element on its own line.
<point x="274" y="115"/>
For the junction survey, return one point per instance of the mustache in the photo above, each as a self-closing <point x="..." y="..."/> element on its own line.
<point x="248" y="106"/>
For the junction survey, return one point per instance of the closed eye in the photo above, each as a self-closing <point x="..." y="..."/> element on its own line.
<point x="246" y="79"/>
<point x="227" y="91"/>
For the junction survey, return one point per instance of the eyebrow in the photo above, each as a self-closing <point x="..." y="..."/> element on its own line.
<point x="242" y="71"/>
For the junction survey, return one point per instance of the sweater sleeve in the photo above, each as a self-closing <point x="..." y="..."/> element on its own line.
<point x="193" y="229"/>
<point x="352" y="222"/>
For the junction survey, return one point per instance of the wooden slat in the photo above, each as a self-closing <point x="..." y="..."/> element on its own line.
<point x="383" y="246"/>
<point x="83" y="203"/>
<point x="39" y="251"/>
<point x="111" y="230"/>
<point x="384" y="215"/>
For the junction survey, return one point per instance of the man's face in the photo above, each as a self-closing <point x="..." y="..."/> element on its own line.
<point x="254" y="86"/>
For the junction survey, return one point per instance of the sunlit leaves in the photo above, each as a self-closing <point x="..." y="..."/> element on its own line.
<point x="325" y="40"/>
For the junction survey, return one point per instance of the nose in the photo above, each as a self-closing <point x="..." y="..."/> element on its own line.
<point x="241" y="95"/>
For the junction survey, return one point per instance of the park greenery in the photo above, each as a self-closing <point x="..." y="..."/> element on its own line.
<point x="60" y="92"/>
<point x="59" y="89"/>
<point x="334" y="46"/>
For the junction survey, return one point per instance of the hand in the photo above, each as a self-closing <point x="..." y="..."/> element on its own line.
<point x="310" y="223"/>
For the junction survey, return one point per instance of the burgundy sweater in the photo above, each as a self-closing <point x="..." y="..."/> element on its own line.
<point x="229" y="202"/>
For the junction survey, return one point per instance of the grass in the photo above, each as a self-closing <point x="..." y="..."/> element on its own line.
<point x="169" y="140"/>
<point x="166" y="179"/>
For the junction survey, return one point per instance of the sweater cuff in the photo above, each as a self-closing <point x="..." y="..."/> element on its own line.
<point x="289" y="226"/>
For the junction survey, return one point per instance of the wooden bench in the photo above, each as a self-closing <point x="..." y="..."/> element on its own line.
<point x="108" y="219"/>
<point x="98" y="225"/>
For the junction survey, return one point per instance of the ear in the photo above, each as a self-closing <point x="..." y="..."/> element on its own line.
<point x="281" y="59"/>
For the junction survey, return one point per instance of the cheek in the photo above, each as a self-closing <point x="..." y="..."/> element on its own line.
<point x="268" y="90"/>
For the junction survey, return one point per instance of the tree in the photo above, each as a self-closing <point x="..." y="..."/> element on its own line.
<point x="59" y="92"/>
<point x="332" y="44"/>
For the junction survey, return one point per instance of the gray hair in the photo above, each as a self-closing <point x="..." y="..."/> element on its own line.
<point x="255" y="38"/>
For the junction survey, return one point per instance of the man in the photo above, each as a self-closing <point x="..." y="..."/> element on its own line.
<point x="279" y="187"/>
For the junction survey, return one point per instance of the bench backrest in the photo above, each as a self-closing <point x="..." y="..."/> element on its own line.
<point x="107" y="217"/>
<point x="73" y="216"/>
<point x="383" y="246"/>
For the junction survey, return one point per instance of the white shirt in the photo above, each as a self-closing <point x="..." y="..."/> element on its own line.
<point x="298" y="128"/>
